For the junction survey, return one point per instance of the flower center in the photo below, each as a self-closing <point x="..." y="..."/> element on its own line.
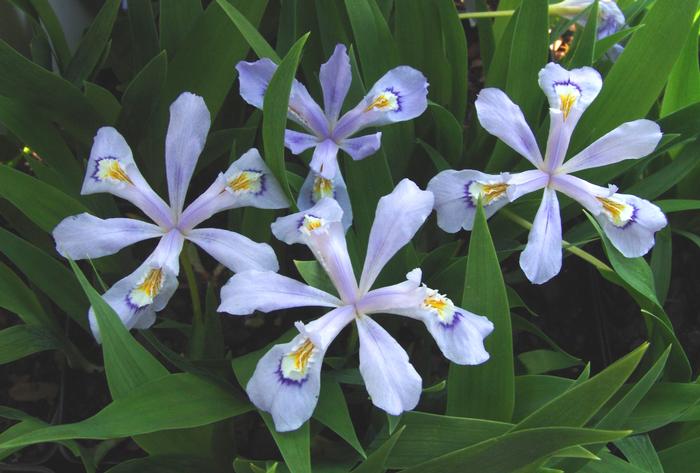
<point x="488" y="192"/>
<point x="441" y="306"/>
<point x="110" y="170"/>
<point x="619" y="213"/>
<point x="146" y="289"/>
<point x="322" y="188"/>
<point x="294" y="366"/>
<point x="568" y="93"/>
<point x="249" y="181"/>
<point x="387" y="101"/>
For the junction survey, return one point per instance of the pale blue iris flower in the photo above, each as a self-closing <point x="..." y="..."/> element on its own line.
<point x="399" y="95"/>
<point x="111" y="168"/>
<point x="629" y="222"/>
<point x="287" y="379"/>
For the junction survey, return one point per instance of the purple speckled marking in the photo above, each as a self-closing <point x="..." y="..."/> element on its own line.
<point x="567" y="82"/>
<point x="132" y="305"/>
<point x="455" y="320"/>
<point x="468" y="196"/>
<point x="286" y="381"/>
<point x="633" y="217"/>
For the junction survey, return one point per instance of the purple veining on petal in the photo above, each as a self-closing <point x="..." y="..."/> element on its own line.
<point x="567" y="82"/>
<point x="455" y="320"/>
<point x="97" y="167"/>
<point x="287" y="381"/>
<point x="633" y="217"/>
<point x="398" y="98"/>
<point x="468" y="196"/>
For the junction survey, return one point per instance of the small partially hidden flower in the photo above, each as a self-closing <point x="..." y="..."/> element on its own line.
<point x="628" y="221"/>
<point x="610" y="18"/>
<point x="111" y="168"/>
<point x="287" y="379"/>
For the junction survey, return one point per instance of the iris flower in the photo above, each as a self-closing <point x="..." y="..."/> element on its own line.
<point x="287" y="378"/>
<point x="399" y="95"/>
<point x="111" y="168"/>
<point x="628" y="221"/>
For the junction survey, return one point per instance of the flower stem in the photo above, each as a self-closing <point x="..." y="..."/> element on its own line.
<point x="570" y="247"/>
<point x="486" y="14"/>
<point x="192" y="283"/>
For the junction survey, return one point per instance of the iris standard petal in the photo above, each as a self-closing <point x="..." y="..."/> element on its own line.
<point x="391" y="381"/>
<point x="86" y="236"/>
<point x="325" y="159"/>
<point x="298" y="142"/>
<point x="404" y="295"/>
<point x="457" y="193"/>
<point x="541" y="258"/>
<point x="399" y="95"/>
<point x="233" y="250"/>
<point x="289" y="228"/>
<point x="247" y="182"/>
<point x="266" y="291"/>
<point x="316" y="187"/>
<point x="335" y="77"/>
<point x="502" y="118"/>
<point x="570" y="92"/>
<point x="398" y="217"/>
<point x="631" y="140"/>
<point x="630" y="223"/>
<point x="187" y="133"/>
<point x="362" y="146"/>
<point x="111" y="168"/>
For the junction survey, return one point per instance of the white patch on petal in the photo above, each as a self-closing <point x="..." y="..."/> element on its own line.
<point x="246" y="182"/>
<point x="569" y="93"/>
<point x="440" y="306"/>
<point x="310" y="224"/>
<point x="294" y="366"/>
<point x="110" y="170"/>
<point x="387" y="101"/>
<point x="146" y="289"/>
<point x="619" y="213"/>
<point x="490" y="192"/>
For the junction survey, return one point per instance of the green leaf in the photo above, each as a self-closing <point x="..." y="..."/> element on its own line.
<point x="294" y="446"/>
<point x="585" y="40"/>
<point x="666" y="403"/>
<point x="427" y="436"/>
<point x="165" y="464"/>
<point x="315" y="275"/>
<point x="176" y="20"/>
<point x="53" y="27"/>
<point x="678" y="205"/>
<point x="661" y="258"/>
<point x="34" y="86"/>
<point x="534" y="391"/>
<point x="249" y="32"/>
<point x="19" y="299"/>
<point x="43" y="270"/>
<point x="603" y="45"/>
<point x="640" y="452"/>
<point x="448" y="133"/>
<point x="144" y="35"/>
<point x="683" y="85"/>
<point x="645" y="63"/>
<point x="43" y="204"/>
<point x="485" y="294"/>
<point x="542" y="361"/>
<point x="128" y="364"/>
<point x="103" y="101"/>
<point x="679" y="458"/>
<point x="376" y="462"/>
<point x="92" y="45"/>
<point x="172" y="401"/>
<point x="205" y="60"/>
<point x="22" y="340"/>
<point x="579" y="404"/>
<point x="275" y="107"/>
<point x="332" y="411"/>
<point x="509" y="452"/>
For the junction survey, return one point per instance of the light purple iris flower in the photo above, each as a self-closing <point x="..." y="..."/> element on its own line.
<point x="628" y="221"/>
<point x="111" y="168"/>
<point x="287" y="378"/>
<point x="399" y="95"/>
